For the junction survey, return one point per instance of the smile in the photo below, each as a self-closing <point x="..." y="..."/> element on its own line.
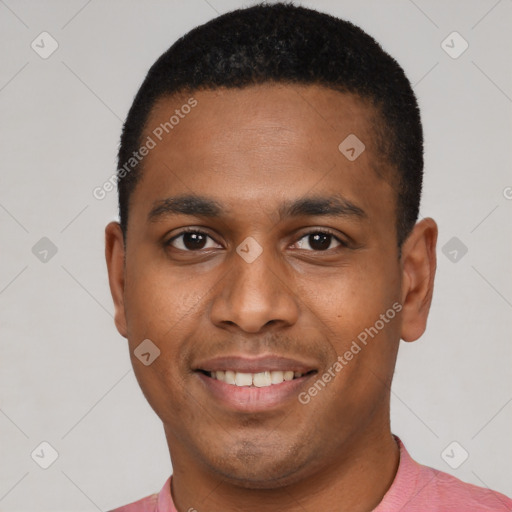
<point x="258" y="380"/>
<point x="260" y="384"/>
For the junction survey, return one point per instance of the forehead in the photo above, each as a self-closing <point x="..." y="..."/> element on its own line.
<point x="261" y="111"/>
<point x="261" y="142"/>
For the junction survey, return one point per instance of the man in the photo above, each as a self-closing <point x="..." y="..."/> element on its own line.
<point x="268" y="261"/>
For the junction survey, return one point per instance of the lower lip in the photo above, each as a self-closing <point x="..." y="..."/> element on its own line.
<point x="253" y="399"/>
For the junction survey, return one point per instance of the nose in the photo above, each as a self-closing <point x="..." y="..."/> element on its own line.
<point x="254" y="295"/>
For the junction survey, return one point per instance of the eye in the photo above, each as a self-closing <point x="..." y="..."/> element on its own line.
<point x="319" y="241"/>
<point x="192" y="240"/>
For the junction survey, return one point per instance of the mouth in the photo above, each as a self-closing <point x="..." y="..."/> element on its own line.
<point x="250" y="385"/>
<point x="258" y="380"/>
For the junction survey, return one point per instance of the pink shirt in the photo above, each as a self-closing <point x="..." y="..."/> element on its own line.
<point x="416" y="488"/>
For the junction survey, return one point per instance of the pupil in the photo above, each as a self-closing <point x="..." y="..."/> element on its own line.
<point x="320" y="241"/>
<point x="193" y="240"/>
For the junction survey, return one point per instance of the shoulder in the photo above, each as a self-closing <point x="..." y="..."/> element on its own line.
<point x="442" y="491"/>
<point x="147" y="504"/>
<point x="420" y="488"/>
<point x="158" y="502"/>
<point x="453" y="492"/>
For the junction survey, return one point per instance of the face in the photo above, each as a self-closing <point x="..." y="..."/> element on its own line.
<point x="262" y="262"/>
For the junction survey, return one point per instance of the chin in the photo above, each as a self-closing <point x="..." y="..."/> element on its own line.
<point x="261" y="480"/>
<point x="263" y="471"/>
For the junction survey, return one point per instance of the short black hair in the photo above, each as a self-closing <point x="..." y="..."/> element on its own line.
<point x="290" y="44"/>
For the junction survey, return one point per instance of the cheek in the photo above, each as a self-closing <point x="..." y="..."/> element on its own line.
<point x="165" y="307"/>
<point x="159" y="299"/>
<point x="163" y="311"/>
<point x="359" y="306"/>
<point x="351" y="298"/>
<point x="164" y="390"/>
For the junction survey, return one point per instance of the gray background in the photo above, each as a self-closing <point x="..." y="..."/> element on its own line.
<point x="65" y="372"/>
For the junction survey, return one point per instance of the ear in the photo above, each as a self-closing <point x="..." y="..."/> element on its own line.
<point x="418" y="272"/>
<point x="114" y="254"/>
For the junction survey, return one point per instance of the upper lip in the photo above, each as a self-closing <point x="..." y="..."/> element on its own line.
<point x="259" y="364"/>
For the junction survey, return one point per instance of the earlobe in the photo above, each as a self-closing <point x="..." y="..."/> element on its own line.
<point x="418" y="272"/>
<point x="114" y="255"/>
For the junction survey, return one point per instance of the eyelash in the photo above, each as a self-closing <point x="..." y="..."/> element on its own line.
<point x="322" y="231"/>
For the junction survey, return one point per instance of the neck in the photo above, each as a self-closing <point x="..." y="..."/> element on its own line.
<point x="355" y="482"/>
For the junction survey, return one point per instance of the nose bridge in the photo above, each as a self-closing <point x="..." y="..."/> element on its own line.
<point x="256" y="277"/>
<point x="255" y="291"/>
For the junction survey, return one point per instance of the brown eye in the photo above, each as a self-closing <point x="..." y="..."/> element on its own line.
<point x="318" y="241"/>
<point x="192" y="241"/>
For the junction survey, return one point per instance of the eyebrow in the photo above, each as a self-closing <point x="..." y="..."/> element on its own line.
<point x="334" y="205"/>
<point x="186" y="205"/>
<point x="201" y="206"/>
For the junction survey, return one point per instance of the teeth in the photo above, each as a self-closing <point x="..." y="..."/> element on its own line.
<point x="276" y="377"/>
<point x="243" y="379"/>
<point x="229" y="377"/>
<point x="259" y="380"/>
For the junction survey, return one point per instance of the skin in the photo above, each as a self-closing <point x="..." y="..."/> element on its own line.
<point x="251" y="150"/>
